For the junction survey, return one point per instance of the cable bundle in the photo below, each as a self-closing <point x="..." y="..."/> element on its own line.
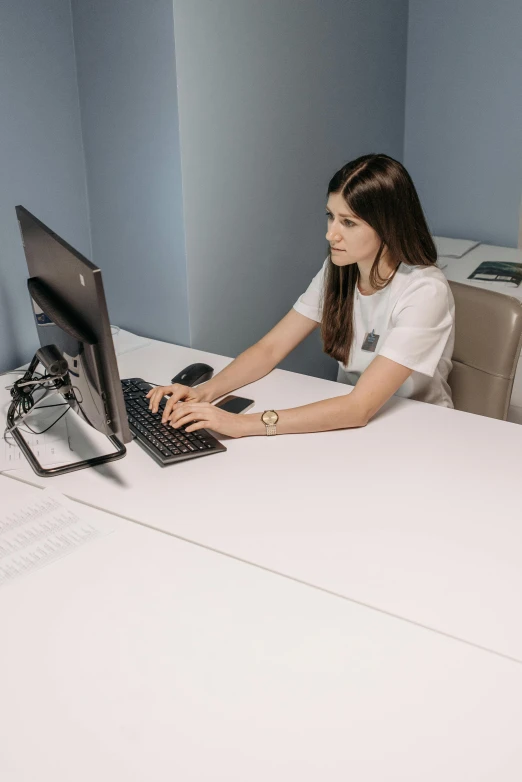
<point x="23" y="391"/>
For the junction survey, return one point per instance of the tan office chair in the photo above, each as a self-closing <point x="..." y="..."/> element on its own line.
<point x="488" y="339"/>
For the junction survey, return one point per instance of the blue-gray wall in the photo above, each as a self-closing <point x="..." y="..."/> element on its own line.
<point x="274" y="98"/>
<point x="41" y="157"/>
<point x="265" y="120"/>
<point x="463" y="133"/>
<point x="127" y="82"/>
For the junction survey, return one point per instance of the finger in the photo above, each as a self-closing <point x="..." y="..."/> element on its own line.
<point x="167" y="411"/>
<point x="180" y="416"/>
<point x="154" y="400"/>
<point x="178" y="392"/>
<point x="199" y="409"/>
<point x="197" y="425"/>
<point x="185" y="407"/>
<point x="156" y="404"/>
<point x="189" y="406"/>
<point x="156" y="397"/>
<point x="153" y="390"/>
<point x="171" y="408"/>
<point x="190" y="418"/>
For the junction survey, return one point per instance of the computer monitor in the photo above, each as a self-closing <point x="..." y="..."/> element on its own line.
<point x="70" y="310"/>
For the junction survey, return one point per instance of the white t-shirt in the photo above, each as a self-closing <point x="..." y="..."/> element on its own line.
<point x="414" y="317"/>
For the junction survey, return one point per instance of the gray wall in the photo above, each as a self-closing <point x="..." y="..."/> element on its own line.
<point x="41" y="158"/>
<point x="127" y="81"/>
<point x="274" y="98"/>
<point x="463" y="133"/>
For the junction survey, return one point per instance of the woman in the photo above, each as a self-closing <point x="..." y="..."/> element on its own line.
<point x="385" y="310"/>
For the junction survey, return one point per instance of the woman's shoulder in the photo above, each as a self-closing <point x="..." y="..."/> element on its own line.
<point x="424" y="286"/>
<point x="427" y="277"/>
<point x="410" y="272"/>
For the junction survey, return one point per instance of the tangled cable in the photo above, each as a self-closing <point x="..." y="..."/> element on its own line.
<point x="23" y="398"/>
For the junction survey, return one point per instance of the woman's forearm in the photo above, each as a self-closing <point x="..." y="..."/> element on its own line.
<point x="341" y="412"/>
<point x="253" y="363"/>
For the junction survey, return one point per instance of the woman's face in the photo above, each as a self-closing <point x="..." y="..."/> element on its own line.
<point x="351" y="239"/>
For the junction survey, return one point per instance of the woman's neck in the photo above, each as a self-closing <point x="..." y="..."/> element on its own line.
<point x="386" y="269"/>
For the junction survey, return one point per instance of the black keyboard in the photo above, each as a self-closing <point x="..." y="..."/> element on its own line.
<point x="164" y="443"/>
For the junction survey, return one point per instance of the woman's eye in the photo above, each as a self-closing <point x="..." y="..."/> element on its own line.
<point x="348" y="223"/>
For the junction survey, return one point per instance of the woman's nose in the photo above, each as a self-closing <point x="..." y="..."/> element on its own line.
<point x="332" y="236"/>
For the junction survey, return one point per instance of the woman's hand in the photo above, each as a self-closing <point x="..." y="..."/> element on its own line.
<point x="176" y="392"/>
<point x="187" y="405"/>
<point x="203" y="415"/>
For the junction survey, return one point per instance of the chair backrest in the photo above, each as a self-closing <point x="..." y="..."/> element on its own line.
<point x="488" y="340"/>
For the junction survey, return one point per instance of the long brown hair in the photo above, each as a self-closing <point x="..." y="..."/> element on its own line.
<point x="379" y="190"/>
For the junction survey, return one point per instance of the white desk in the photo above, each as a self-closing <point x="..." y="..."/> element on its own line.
<point x="140" y="657"/>
<point x="459" y="269"/>
<point x="417" y="514"/>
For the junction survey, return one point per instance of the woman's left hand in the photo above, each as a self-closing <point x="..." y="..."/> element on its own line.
<point x="204" y="415"/>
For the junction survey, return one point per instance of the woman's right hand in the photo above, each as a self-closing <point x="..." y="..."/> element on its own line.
<point x="176" y="393"/>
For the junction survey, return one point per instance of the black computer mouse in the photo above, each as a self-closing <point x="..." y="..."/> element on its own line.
<point x="193" y="375"/>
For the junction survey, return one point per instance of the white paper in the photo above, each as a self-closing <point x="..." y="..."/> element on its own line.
<point x="37" y="531"/>
<point x="453" y="248"/>
<point x="50" y="447"/>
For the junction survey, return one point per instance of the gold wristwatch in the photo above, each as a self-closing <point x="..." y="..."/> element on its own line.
<point x="270" y="419"/>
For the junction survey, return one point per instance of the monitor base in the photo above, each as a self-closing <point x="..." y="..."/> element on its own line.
<point x="48" y="472"/>
<point x="22" y="394"/>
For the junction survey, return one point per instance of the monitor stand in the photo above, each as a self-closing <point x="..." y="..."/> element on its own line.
<point x="46" y="472"/>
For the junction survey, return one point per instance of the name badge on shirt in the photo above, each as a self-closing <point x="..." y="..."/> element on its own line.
<point x="370" y="342"/>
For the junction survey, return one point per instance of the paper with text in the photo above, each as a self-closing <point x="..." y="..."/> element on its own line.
<point x="36" y="532"/>
<point x="50" y="447"/>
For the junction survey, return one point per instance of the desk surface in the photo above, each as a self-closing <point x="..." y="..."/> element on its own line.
<point x="459" y="269"/>
<point x="416" y="514"/>
<point x="141" y="657"/>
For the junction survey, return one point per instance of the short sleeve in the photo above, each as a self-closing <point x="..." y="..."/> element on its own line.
<point x="421" y="324"/>
<point x="310" y="302"/>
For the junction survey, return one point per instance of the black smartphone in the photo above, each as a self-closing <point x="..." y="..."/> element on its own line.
<point x="235" y="404"/>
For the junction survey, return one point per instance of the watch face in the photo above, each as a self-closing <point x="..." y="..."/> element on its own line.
<point x="270" y="417"/>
